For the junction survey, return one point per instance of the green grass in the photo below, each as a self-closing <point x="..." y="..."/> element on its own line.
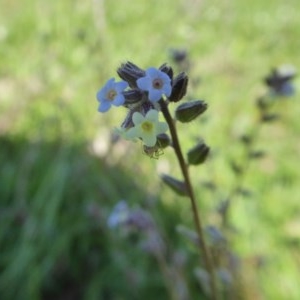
<point x="57" y="190"/>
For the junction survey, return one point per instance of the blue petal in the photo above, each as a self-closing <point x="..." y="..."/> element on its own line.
<point x="167" y="89"/>
<point x="110" y="84"/>
<point x="165" y="77"/>
<point x="154" y="95"/>
<point x="153" y="73"/>
<point x="119" y="100"/>
<point x="143" y="83"/>
<point x="104" y="106"/>
<point x="120" y="86"/>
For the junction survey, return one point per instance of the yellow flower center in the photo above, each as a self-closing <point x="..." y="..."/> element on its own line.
<point x="147" y="126"/>
<point x="157" y="83"/>
<point x="111" y="95"/>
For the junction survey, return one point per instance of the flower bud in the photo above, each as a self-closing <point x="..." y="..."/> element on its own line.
<point x="263" y="103"/>
<point x="163" y="140"/>
<point x="188" y="111"/>
<point x="133" y="97"/>
<point x="167" y="69"/>
<point x="179" y="87"/>
<point x="198" y="154"/>
<point x="189" y="234"/>
<point x="215" y="235"/>
<point x="176" y="185"/>
<point x="246" y="139"/>
<point x="178" y="55"/>
<point x="269" y="117"/>
<point x="130" y="73"/>
<point x="128" y="123"/>
<point x="256" y="154"/>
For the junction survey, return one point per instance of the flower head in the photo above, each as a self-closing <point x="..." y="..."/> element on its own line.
<point x="156" y="83"/>
<point x="279" y="81"/>
<point x="111" y="94"/>
<point x="147" y="127"/>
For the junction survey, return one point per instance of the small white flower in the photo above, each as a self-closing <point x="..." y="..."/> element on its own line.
<point x="147" y="127"/>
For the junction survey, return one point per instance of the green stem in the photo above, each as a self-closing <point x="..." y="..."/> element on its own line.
<point x="184" y="169"/>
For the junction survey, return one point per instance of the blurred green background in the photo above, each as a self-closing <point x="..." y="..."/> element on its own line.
<point x="61" y="176"/>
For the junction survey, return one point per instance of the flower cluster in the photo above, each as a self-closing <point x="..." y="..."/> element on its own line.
<point x="143" y="92"/>
<point x="139" y="91"/>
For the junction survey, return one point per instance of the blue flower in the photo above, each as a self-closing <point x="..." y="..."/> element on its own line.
<point x="119" y="214"/>
<point x="111" y="94"/>
<point x="156" y="83"/>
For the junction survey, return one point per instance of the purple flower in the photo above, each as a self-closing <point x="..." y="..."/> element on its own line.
<point x="111" y="94"/>
<point x="156" y="83"/>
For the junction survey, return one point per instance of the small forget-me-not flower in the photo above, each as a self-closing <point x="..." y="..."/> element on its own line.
<point x="147" y="127"/>
<point x="111" y="94"/>
<point x="156" y="83"/>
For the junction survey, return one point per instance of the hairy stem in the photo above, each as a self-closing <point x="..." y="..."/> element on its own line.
<point x="184" y="169"/>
